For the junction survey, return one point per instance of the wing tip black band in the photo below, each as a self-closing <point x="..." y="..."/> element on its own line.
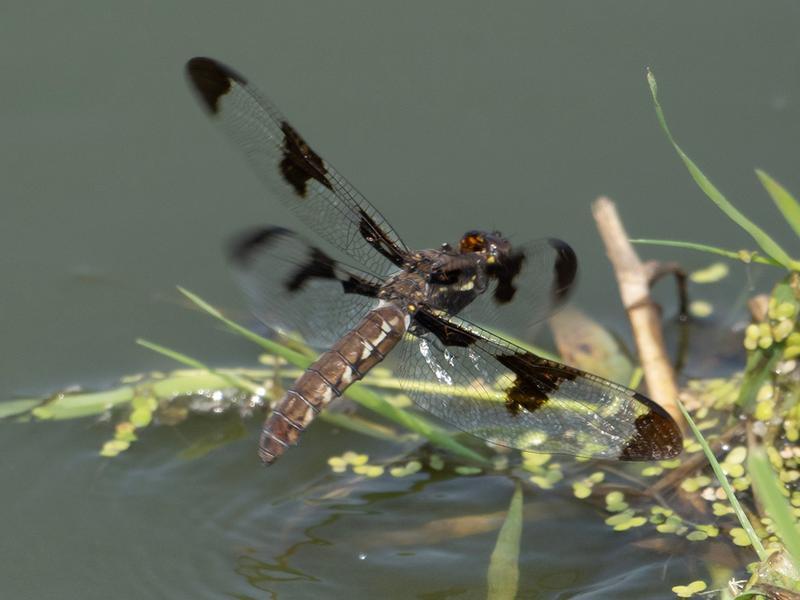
<point x="565" y="268"/>
<point x="211" y="80"/>
<point x="657" y="435"/>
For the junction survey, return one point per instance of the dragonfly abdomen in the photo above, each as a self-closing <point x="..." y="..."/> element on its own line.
<point x="347" y="361"/>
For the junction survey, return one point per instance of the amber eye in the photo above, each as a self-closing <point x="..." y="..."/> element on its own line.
<point x="472" y="242"/>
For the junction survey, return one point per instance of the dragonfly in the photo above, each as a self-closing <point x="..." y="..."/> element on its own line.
<point x="421" y="305"/>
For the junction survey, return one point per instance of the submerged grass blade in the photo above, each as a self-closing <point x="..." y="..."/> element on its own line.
<point x="785" y="202"/>
<point x="231" y="431"/>
<point x="723" y="480"/>
<point x="503" y="575"/>
<point x="769" y="490"/>
<point x="744" y="256"/>
<point x="362" y="426"/>
<point x="363" y="395"/>
<point x="765" y="242"/>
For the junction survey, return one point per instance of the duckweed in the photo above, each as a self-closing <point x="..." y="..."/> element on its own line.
<point x="719" y="509"/>
<point x="692" y="484"/>
<point x="701" y="309"/>
<point x="409" y="468"/>
<point x="369" y="470"/>
<point x="436" y="462"/>
<point x="625" y="520"/>
<point x="615" y="502"/>
<point x="464" y="470"/>
<point x="710" y="274"/>
<point x="689" y="590"/>
<point x="114" y="447"/>
<point x="782" y="330"/>
<point x="583" y="488"/>
<point x="652" y="471"/>
<point x="739" y="537"/>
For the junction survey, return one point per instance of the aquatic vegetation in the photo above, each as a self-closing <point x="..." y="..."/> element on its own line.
<point x="764" y="471"/>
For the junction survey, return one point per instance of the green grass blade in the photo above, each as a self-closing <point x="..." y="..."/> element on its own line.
<point x="374" y="402"/>
<point x="10" y="408"/>
<point x="503" y="575"/>
<point x="75" y="406"/>
<point x="765" y="242"/>
<point x="769" y="490"/>
<point x="744" y="256"/>
<point x="363" y="395"/>
<point x="232" y="380"/>
<point x="726" y="486"/>
<point x="271" y="346"/>
<point x="760" y="368"/>
<point x="785" y="202"/>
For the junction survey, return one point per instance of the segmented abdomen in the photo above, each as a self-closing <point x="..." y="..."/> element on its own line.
<point x="347" y="361"/>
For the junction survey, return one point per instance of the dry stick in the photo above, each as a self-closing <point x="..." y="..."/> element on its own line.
<point x="645" y="316"/>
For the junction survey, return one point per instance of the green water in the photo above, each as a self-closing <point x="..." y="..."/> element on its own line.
<point x="448" y="116"/>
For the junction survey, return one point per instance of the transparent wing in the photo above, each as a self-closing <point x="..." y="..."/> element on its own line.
<point x="527" y="287"/>
<point x="497" y="391"/>
<point x="304" y="182"/>
<point x="295" y="288"/>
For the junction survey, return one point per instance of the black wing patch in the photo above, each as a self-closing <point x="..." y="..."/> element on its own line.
<point x="295" y="287"/>
<point x="300" y="163"/>
<point x="300" y="177"/>
<point x="502" y="393"/>
<point x="532" y="380"/>
<point x="446" y="333"/>
<point x="380" y="240"/>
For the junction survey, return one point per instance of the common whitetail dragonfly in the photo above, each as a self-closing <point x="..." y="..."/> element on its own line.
<point x="420" y="303"/>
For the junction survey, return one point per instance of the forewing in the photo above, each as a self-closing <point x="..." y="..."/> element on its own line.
<point x="295" y="288"/>
<point x="497" y="391"/>
<point x="305" y="183"/>
<point x="524" y="289"/>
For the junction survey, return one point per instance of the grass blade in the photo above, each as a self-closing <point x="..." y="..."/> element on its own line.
<point x="83" y="404"/>
<point x="765" y="242"/>
<point x="744" y="256"/>
<point x="10" y="408"/>
<point x="785" y="202"/>
<point x="769" y="490"/>
<point x="503" y="575"/>
<point x="232" y="380"/>
<point x="271" y="346"/>
<point x="726" y="486"/>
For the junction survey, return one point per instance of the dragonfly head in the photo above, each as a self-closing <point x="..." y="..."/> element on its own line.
<point x="493" y="245"/>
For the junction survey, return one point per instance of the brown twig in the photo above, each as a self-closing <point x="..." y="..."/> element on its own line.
<point x="656" y="270"/>
<point x="633" y="278"/>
